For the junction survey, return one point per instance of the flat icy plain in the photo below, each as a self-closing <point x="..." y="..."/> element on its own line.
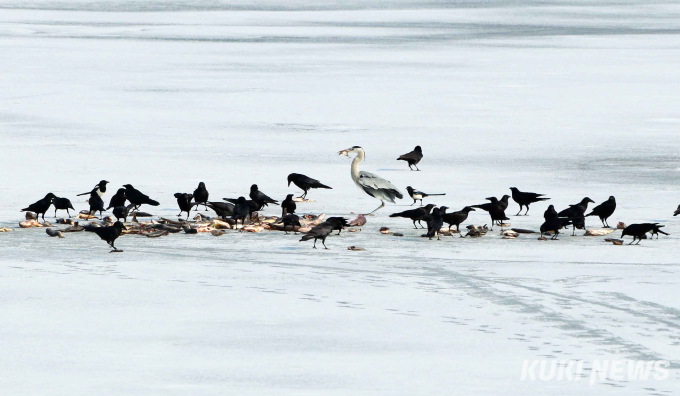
<point x="572" y="99"/>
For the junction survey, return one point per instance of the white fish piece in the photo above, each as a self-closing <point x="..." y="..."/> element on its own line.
<point x="599" y="231"/>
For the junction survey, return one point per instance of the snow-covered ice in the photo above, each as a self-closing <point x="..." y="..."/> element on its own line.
<point x="572" y="99"/>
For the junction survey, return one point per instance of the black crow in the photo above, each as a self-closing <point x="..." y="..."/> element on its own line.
<point x="252" y="206"/>
<point x="338" y="223"/>
<point x="201" y="195"/>
<point x="457" y="218"/>
<point x="577" y="214"/>
<point x="305" y="183"/>
<point x="121" y="212"/>
<point x="550" y="213"/>
<point x="41" y="206"/>
<point x="639" y="231"/>
<point x="525" y="199"/>
<point x="222" y="209"/>
<point x="604" y="210"/>
<point x="184" y="203"/>
<point x="418" y="195"/>
<point x="321" y="231"/>
<point x="434" y="225"/>
<point x="495" y="209"/>
<point x="290" y="220"/>
<point x="110" y="233"/>
<point x="504" y="202"/>
<point x="137" y="197"/>
<point x="118" y="199"/>
<point x="241" y="211"/>
<point x="96" y="204"/>
<point x="99" y="188"/>
<point x="62" y="204"/>
<point x="413" y="158"/>
<point x="260" y="198"/>
<point x="415" y="214"/>
<point x="555" y="225"/>
<point x="288" y="205"/>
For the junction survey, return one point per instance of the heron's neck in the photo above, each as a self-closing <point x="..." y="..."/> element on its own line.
<point x="355" y="164"/>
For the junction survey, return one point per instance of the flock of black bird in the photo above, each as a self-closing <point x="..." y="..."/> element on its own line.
<point x="435" y="217"/>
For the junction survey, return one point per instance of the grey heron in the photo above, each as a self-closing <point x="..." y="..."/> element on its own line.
<point x="370" y="183"/>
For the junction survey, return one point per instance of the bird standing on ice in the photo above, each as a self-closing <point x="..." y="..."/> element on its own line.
<point x="370" y="183"/>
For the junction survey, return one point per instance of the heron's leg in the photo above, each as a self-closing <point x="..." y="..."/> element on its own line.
<point x="382" y="205"/>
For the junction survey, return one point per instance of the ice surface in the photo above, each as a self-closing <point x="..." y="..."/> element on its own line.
<point x="571" y="99"/>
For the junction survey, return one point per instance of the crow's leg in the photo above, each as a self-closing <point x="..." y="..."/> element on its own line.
<point x="314" y="243"/>
<point x="520" y="210"/>
<point x="323" y="240"/>
<point x="527" y="212"/>
<point x="414" y="202"/>
<point x="416" y="165"/>
<point x="414" y="225"/>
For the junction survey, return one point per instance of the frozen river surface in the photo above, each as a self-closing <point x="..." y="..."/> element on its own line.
<point x="572" y="99"/>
